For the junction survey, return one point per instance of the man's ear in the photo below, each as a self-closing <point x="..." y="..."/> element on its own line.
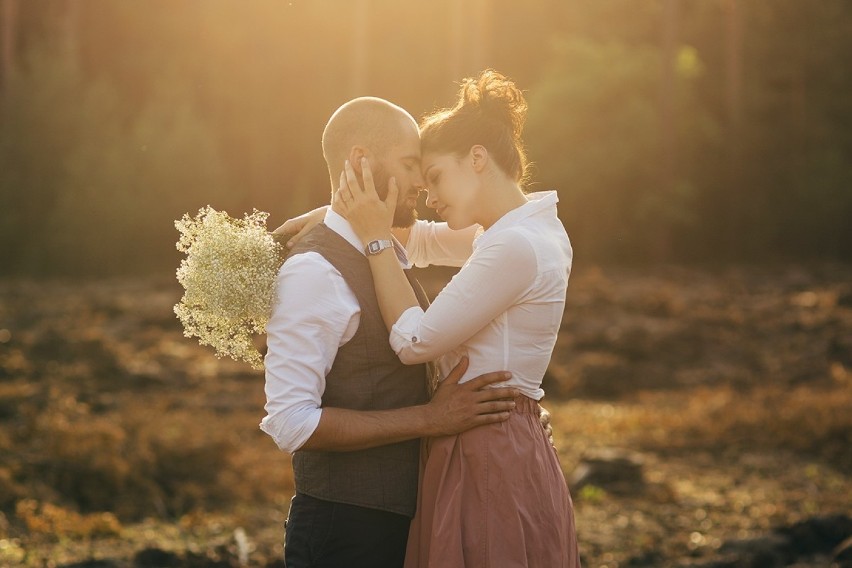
<point x="478" y="157"/>
<point x="355" y="155"/>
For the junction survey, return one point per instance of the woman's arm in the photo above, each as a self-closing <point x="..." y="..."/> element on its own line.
<point x="497" y="276"/>
<point x="432" y="243"/>
<point x="297" y="227"/>
<point x="393" y="289"/>
<point x="371" y="219"/>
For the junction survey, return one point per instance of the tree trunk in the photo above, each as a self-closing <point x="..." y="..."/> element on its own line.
<point x="9" y="41"/>
<point x="736" y="217"/>
<point x="360" y="48"/>
<point x="480" y="40"/>
<point x="457" y="27"/>
<point x="733" y="76"/>
<point x="667" y="94"/>
<point x="470" y="24"/>
<point x="668" y="125"/>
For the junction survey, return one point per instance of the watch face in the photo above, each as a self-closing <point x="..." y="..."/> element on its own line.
<point x="375" y="247"/>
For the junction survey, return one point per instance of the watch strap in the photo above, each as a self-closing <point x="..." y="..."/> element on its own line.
<point x="377" y="246"/>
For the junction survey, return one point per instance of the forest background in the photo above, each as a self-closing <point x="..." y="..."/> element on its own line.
<point x="673" y="131"/>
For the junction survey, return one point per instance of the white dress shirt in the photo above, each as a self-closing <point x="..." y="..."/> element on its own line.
<point x="504" y="307"/>
<point x="316" y="313"/>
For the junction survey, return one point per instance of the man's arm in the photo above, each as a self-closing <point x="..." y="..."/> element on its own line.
<point x="309" y="322"/>
<point x="314" y="314"/>
<point x="453" y="409"/>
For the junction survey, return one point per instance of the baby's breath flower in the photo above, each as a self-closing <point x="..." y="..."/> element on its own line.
<point x="229" y="280"/>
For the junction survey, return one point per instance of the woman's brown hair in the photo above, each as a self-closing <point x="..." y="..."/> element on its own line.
<point x="490" y="112"/>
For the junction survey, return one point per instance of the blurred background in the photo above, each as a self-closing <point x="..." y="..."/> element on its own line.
<point x="702" y="151"/>
<point x="687" y="131"/>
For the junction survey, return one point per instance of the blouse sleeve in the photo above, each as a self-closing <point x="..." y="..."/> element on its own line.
<point x="431" y="243"/>
<point x="497" y="276"/>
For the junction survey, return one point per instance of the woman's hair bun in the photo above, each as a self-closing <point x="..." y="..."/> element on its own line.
<point x="490" y="111"/>
<point x="496" y="97"/>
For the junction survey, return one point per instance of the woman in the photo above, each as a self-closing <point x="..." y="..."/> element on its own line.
<point x="495" y="495"/>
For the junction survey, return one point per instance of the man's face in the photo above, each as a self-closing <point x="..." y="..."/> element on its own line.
<point x="401" y="161"/>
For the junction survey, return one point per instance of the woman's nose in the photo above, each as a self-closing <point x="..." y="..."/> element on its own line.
<point x="431" y="199"/>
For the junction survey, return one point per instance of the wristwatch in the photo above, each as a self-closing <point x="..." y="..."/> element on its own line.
<point x="375" y="247"/>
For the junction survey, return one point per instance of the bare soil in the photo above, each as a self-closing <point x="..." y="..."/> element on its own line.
<point x="726" y="391"/>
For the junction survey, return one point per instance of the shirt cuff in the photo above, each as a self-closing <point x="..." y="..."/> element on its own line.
<point x="404" y="332"/>
<point x="291" y="435"/>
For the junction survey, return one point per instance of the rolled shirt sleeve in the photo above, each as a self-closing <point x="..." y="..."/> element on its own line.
<point x="315" y="313"/>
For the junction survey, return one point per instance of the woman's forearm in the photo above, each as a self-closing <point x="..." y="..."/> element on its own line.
<point x="393" y="290"/>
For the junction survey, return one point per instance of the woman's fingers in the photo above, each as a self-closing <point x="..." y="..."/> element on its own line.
<point x="342" y="196"/>
<point x="351" y="179"/>
<point x="298" y="236"/>
<point x="393" y="194"/>
<point x="367" y="175"/>
<point x="358" y="200"/>
<point x="337" y="203"/>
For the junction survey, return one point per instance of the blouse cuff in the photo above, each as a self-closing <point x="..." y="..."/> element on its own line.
<point x="404" y="332"/>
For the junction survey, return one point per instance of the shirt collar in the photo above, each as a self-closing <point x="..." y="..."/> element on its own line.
<point x="342" y="227"/>
<point x="536" y="203"/>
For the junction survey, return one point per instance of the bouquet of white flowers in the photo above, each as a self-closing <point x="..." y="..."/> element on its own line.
<point x="229" y="280"/>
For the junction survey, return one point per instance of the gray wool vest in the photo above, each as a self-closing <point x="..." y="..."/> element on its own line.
<point x="366" y="375"/>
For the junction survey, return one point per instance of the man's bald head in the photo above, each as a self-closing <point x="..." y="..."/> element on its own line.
<point x="369" y="122"/>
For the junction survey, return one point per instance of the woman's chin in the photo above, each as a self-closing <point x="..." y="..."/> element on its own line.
<point x="458" y="225"/>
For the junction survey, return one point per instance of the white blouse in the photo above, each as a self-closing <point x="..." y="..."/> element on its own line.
<point x="504" y="307"/>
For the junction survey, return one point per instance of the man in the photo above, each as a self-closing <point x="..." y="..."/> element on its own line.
<point x="338" y="397"/>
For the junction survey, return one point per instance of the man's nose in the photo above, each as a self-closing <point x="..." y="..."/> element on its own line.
<point x="418" y="182"/>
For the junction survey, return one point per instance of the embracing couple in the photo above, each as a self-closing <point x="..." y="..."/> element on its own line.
<point x="415" y="428"/>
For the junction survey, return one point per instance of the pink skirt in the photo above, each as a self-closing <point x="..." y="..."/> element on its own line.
<point x="494" y="497"/>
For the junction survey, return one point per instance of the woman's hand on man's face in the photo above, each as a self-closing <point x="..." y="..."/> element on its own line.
<point x="370" y="217"/>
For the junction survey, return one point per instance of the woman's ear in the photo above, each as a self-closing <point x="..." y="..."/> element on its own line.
<point x="479" y="158"/>
<point x="355" y="155"/>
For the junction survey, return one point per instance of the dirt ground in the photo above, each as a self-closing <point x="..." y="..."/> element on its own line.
<point x="702" y="416"/>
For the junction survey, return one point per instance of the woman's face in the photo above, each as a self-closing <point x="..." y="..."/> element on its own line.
<point x="453" y="188"/>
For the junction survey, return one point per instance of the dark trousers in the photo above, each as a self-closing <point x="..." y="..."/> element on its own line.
<point x="323" y="534"/>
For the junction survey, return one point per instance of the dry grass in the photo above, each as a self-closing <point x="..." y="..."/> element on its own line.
<point x="117" y="434"/>
<point x="718" y="465"/>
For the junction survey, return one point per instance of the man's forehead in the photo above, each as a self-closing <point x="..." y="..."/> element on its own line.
<point x="408" y="149"/>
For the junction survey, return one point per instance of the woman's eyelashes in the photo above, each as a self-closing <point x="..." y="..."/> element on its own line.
<point x="434" y="178"/>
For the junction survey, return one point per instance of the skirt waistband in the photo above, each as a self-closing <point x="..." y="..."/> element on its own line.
<point x="525" y="405"/>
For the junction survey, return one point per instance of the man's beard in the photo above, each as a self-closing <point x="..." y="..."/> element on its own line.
<point x="404" y="216"/>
